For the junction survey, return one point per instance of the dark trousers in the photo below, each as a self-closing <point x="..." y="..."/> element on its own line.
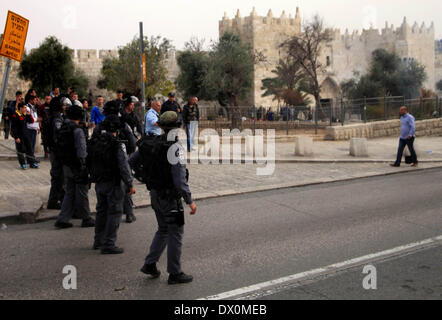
<point x="32" y="136"/>
<point x="128" y="203"/>
<point x="56" y="195"/>
<point x="76" y="199"/>
<point x="24" y="149"/>
<point x="110" y="198"/>
<point x="170" y="217"/>
<point x="7" y="128"/>
<point x="402" y="144"/>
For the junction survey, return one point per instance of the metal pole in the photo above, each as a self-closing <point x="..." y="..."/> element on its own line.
<point x="316" y="117"/>
<point x="342" y="112"/>
<point x="4" y="86"/>
<point x="287" y="115"/>
<point x="331" y="113"/>
<point x="143" y="88"/>
<point x="254" y="119"/>
<point x="365" y="109"/>
<point x="216" y="116"/>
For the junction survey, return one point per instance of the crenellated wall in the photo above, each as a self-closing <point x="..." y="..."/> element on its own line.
<point x="346" y="54"/>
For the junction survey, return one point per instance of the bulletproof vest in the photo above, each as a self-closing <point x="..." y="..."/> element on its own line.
<point x="102" y="158"/>
<point x="64" y="144"/>
<point x="48" y="127"/>
<point x="155" y="169"/>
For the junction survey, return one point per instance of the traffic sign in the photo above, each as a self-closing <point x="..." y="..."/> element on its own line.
<point x="14" y="37"/>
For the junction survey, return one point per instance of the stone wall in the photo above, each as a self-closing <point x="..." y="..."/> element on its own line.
<point x="381" y="129"/>
<point x="346" y="54"/>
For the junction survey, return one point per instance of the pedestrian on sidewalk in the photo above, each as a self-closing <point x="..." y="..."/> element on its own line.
<point x="408" y="130"/>
<point x="97" y="113"/>
<point x="19" y="121"/>
<point x="10" y="109"/>
<point x="33" y="129"/>
<point x="191" y="117"/>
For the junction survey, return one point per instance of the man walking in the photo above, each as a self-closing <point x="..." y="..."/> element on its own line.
<point x="191" y="116"/>
<point x="33" y="129"/>
<point x="408" y="130"/>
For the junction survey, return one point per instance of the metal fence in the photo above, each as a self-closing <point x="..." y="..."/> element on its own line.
<point x="331" y="113"/>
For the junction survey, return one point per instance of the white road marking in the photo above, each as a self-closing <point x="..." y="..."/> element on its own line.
<point x="329" y="269"/>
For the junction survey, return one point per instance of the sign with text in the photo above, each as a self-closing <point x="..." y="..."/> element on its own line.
<point x="14" y="37"/>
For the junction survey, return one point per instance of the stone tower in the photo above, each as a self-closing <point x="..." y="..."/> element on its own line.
<point x="264" y="34"/>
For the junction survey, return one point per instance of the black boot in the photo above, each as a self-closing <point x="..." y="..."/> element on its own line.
<point x="63" y="225"/>
<point x="131" y="218"/>
<point x="90" y="223"/>
<point x="114" y="250"/>
<point x="151" y="270"/>
<point x="180" y="278"/>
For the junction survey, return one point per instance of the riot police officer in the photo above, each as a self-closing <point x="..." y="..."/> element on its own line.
<point x="52" y="124"/>
<point x="125" y="134"/>
<point x="168" y="184"/>
<point x="110" y="171"/>
<point x="71" y="150"/>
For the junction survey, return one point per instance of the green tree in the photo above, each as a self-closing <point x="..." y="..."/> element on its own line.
<point x="123" y="72"/>
<point x="288" y="85"/>
<point x="388" y="76"/>
<point x="194" y="66"/>
<point x="230" y="76"/>
<point x="51" y="65"/>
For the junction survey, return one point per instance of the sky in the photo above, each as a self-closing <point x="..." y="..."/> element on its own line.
<point x="108" y="24"/>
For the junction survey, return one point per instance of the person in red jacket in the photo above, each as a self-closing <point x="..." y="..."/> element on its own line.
<point x="19" y="120"/>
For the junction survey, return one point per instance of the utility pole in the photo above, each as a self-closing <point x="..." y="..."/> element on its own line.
<point x="143" y="88"/>
<point x="4" y="86"/>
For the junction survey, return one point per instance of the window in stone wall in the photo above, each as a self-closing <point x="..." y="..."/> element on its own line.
<point x="328" y="61"/>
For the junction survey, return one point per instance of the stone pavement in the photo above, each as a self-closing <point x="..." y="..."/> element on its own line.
<point x="26" y="192"/>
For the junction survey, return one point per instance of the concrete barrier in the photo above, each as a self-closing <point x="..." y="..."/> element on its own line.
<point x="391" y="128"/>
<point x="359" y="147"/>
<point x="304" y="146"/>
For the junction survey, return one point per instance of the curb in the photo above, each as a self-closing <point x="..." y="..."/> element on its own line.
<point x="43" y="215"/>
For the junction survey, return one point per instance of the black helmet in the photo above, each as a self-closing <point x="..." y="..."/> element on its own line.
<point x="111" y="123"/>
<point x="110" y="108"/>
<point x="75" y="113"/>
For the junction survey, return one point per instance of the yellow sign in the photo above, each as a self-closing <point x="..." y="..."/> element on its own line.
<point x="14" y="37"/>
<point x="144" y="68"/>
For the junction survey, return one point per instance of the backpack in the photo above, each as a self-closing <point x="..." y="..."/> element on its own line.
<point x="101" y="160"/>
<point x="64" y="144"/>
<point x="154" y="168"/>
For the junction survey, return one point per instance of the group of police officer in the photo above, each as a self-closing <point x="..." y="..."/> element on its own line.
<point x="77" y="162"/>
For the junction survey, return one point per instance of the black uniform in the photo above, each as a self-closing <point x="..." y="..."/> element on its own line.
<point x="113" y="178"/>
<point x="76" y="199"/>
<point x="166" y="201"/>
<point x="19" y="131"/>
<point x="132" y="121"/>
<point x="171" y="106"/>
<point x="56" y="195"/>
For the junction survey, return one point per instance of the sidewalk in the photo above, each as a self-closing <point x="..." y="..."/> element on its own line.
<point x="222" y="180"/>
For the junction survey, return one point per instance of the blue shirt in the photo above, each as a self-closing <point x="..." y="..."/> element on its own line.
<point x="408" y="127"/>
<point x="151" y="119"/>
<point x="96" y="116"/>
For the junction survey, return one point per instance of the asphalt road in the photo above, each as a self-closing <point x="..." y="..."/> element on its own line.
<point x="240" y="241"/>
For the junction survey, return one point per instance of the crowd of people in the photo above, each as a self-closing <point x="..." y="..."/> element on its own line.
<point x="108" y="148"/>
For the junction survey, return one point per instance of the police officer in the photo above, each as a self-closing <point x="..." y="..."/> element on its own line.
<point x="129" y="116"/>
<point x="167" y="188"/>
<point x="70" y="146"/>
<point x="125" y="134"/>
<point x="110" y="171"/>
<point x="171" y="105"/>
<point x="54" y="123"/>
